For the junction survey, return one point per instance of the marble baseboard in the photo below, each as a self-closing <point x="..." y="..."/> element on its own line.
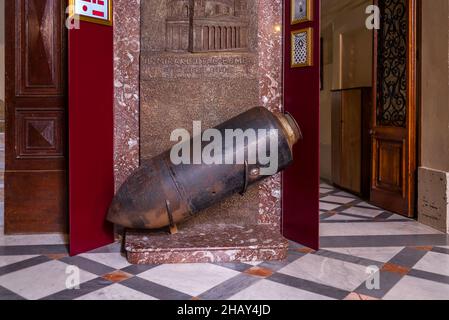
<point x="207" y="244"/>
<point x="433" y="198"/>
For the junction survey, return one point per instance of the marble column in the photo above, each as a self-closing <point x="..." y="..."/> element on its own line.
<point x="126" y="88"/>
<point x="270" y="86"/>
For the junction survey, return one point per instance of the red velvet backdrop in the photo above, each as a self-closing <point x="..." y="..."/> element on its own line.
<point x="302" y="100"/>
<point x="91" y="174"/>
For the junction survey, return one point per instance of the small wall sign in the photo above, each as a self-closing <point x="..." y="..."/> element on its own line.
<point x="302" y="11"/>
<point x="302" y="48"/>
<point x="95" y="11"/>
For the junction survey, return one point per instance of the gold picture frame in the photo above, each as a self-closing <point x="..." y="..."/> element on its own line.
<point x="302" y="57"/>
<point x="105" y="22"/>
<point x="300" y="14"/>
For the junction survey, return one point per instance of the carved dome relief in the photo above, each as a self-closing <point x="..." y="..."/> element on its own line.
<point x="207" y="25"/>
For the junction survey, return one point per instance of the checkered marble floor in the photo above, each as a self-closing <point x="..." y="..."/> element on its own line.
<point x="410" y="260"/>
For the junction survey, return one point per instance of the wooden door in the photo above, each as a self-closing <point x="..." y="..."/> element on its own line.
<point x="394" y="111"/>
<point x="35" y="177"/>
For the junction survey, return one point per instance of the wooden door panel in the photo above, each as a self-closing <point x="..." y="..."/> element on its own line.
<point x="40" y="134"/>
<point x="389" y="170"/>
<point x="35" y="176"/>
<point x="39" y="47"/>
<point x="36" y="202"/>
<point x="389" y="183"/>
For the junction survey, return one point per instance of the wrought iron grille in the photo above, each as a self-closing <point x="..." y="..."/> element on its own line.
<point x="392" y="64"/>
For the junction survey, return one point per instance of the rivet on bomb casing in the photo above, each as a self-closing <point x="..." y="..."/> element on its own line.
<point x="254" y="172"/>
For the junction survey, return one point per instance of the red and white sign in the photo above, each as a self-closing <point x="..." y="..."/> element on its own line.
<point x="94" y="10"/>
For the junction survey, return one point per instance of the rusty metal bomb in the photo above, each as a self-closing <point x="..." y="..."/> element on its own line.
<point x="161" y="194"/>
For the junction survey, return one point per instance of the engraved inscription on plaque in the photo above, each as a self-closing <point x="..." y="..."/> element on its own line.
<point x="187" y="66"/>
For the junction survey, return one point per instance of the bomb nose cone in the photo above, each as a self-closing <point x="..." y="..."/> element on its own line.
<point x="141" y="202"/>
<point x="121" y="214"/>
<point x="127" y="209"/>
<point x="114" y="213"/>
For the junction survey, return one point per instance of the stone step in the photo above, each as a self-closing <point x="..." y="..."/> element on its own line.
<point x="207" y="244"/>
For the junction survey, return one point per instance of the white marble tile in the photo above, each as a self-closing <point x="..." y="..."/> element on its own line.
<point x="42" y="280"/>
<point x="368" y="205"/>
<point x="379" y="228"/>
<point x="380" y="254"/>
<point x="7" y="260"/>
<point x="331" y="272"/>
<point x="364" y="212"/>
<point x="411" y="288"/>
<point x="269" y="290"/>
<point x="342" y="218"/>
<point x="328" y="206"/>
<point x="114" y="260"/>
<point x="325" y="191"/>
<point x="37" y="239"/>
<point x="435" y="263"/>
<point x="335" y="199"/>
<point x="398" y="217"/>
<point x="116" y="292"/>
<point x="326" y="186"/>
<point x="346" y="194"/>
<point x="192" y="279"/>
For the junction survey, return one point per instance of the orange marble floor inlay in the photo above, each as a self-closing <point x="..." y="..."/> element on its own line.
<point x="389" y="267"/>
<point x="305" y="250"/>
<point x="56" y="256"/>
<point x="357" y="296"/>
<point x="424" y="248"/>
<point x="117" y="276"/>
<point x="259" y="272"/>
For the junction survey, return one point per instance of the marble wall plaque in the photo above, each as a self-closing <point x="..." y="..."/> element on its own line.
<point x="199" y="62"/>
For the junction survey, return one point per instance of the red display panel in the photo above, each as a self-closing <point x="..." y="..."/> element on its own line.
<point x="91" y="174"/>
<point x="300" y="220"/>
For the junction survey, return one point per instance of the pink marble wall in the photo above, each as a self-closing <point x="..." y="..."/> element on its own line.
<point x="126" y="87"/>
<point x="127" y="64"/>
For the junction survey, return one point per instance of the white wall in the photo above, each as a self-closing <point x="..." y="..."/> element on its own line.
<point x="342" y="19"/>
<point x="435" y="79"/>
<point x="433" y="177"/>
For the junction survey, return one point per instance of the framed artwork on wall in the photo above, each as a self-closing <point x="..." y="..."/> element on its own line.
<point x="92" y="11"/>
<point x="302" y="11"/>
<point x="302" y="48"/>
